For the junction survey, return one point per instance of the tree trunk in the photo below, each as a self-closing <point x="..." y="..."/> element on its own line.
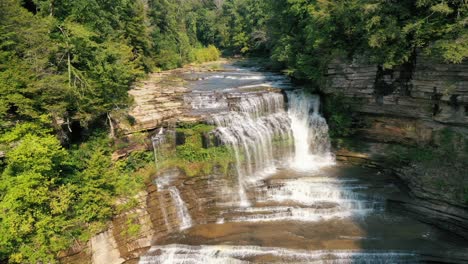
<point x="51" y="8"/>
<point x="111" y="126"/>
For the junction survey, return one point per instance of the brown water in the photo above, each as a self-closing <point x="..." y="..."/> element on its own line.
<point x="350" y="219"/>
<point x="316" y="213"/>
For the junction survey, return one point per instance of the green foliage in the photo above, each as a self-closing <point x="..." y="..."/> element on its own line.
<point x="338" y="110"/>
<point x="403" y="155"/>
<point x="132" y="226"/>
<point x="49" y="197"/>
<point x="211" y="53"/>
<point x="192" y="157"/>
<point x="305" y="35"/>
<point x="181" y="29"/>
<point x="193" y="151"/>
<point x="74" y="61"/>
<point x="34" y="200"/>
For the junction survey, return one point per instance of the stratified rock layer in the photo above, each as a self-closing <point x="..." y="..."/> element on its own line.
<point x="409" y="105"/>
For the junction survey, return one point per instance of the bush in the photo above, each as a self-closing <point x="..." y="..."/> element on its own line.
<point x="338" y="110"/>
<point x="210" y="53"/>
<point x="192" y="157"/>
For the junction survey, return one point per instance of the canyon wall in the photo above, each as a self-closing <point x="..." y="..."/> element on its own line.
<point x="413" y="106"/>
<point x="156" y="216"/>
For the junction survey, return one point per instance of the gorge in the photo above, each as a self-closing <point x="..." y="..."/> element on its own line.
<point x="233" y="131"/>
<point x="281" y="196"/>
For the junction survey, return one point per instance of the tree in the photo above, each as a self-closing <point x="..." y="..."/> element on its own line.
<point x="34" y="199"/>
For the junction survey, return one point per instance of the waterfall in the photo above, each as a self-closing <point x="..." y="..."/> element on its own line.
<point x="251" y="129"/>
<point x="182" y="211"/>
<point x="162" y="205"/>
<point x="258" y="127"/>
<point x="173" y="254"/>
<point x="310" y="130"/>
<point x="157" y="142"/>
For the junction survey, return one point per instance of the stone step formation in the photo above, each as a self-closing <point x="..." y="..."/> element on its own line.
<point x="284" y="200"/>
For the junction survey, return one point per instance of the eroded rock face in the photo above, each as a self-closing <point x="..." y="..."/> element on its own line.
<point x="433" y="190"/>
<point x="409" y="105"/>
<point x="132" y="233"/>
<point x="156" y="100"/>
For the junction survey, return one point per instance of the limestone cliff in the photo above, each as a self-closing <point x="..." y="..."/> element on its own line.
<point x="412" y="106"/>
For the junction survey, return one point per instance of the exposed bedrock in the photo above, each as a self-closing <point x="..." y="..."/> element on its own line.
<point x="407" y="106"/>
<point x="157" y="215"/>
<point x="424" y="90"/>
<point x="411" y="106"/>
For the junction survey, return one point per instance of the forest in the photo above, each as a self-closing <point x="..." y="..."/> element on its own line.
<point x="66" y="66"/>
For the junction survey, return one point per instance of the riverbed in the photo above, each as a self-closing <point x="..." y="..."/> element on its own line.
<point x="292" y="202"/>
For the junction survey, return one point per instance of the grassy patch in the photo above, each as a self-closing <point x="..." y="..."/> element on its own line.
<point x="192" y="157"/>
<point x="132" y="226"/>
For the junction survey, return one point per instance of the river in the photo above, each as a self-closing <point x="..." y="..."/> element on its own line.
<point x="293" y="203"/>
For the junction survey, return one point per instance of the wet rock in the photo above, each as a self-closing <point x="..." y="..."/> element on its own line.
<point x="180" y="138"/>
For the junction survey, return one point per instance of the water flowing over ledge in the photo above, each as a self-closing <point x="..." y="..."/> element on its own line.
<point x="310" y="131"/>
<point x="251" y="131"/>
<point x="283" y="199"/>
<point x="182" y="211"/>
<point x="258" y="127"/>
<point x="182" y="254"/>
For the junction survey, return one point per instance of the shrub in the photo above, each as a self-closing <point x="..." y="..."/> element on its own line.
<point x="210" y="53"/>
<point x="338" y="110"/>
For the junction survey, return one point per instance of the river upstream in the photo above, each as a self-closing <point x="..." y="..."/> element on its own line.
<point x="291" y="202"/>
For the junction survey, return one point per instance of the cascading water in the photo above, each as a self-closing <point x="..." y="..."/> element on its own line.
<point x="163" y="206"/>
<point x="182" y="211"/>
<point x="293" y="209"/>
<point x="258" y="127"/>
<point x="251" y="131"/>
<point x="310" y="130"/>
<point x="175" y="254"/>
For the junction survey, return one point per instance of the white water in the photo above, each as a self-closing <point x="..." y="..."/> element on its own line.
<point x="157" y="141"/>
<point x="206" y="101"/>
<point x="182" y="211"/>
<point x="251" y="130"/>
<point x="301" y="194"/>
<point x="310" y="130"/>
<point x="310" y="191"/>
<point x="307" y="199"/>
<point x="182" y="254"/>
<point x="240" y="77"/>
<point x="258" y="127"/>
<point x="162" y="205"/>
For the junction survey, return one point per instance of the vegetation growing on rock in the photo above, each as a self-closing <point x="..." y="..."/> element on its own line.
<point x="440" y="169"/>
<point x="65" y="66"/>
<point x="193" y="158"/>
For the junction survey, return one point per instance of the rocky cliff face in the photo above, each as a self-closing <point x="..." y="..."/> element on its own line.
<point x="130" y="234"/>
<point x="412" y="106"/>
<point x="408" y="102"/>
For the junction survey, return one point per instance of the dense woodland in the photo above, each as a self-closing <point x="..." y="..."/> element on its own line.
<point x="67" y="65"/>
